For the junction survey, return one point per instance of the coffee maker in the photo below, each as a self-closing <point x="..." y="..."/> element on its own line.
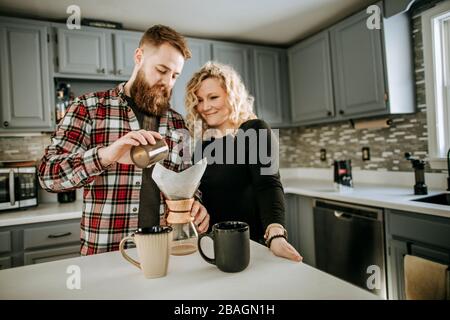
<point x="342" y="174"/>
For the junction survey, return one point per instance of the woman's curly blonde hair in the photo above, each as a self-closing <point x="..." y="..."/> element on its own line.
<point x="240" y="100"/>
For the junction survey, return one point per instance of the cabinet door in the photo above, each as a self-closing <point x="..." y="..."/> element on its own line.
<point x="238" y="57"/>
<point x="5" y="263"/>
<point x="201" y="53"/>
<point x="125" y="44"/>
<point x="82" y="51"/>
<point x="358" y="75"/>
<point x="311" y="81"/>
<point x="54" y="254"/>
<point x="5" y="241"/>
<point x="293" y="220"/>
<point x="51" y="235"/>
<point x="300" y="226"/>
<point x="25" y="80"/>
<point x="268" y="93"/>
<point x="396" y="275"/>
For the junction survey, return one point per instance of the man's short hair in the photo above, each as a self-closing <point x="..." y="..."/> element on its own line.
<point x="159" y="34"/>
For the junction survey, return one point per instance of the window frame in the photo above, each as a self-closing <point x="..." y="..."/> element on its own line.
<point x="436" y="26"/>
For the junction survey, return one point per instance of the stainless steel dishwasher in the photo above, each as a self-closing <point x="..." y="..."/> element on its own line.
<point x="349" y="244"/>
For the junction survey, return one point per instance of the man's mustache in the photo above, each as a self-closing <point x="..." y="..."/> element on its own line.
<point x="163" y="89"/>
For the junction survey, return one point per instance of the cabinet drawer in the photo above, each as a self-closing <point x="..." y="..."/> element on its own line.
<point x="48" y="255"/>
<point x="421" y="228"/>
<point x="5" y="263"/>
<point x="51" y="235"/>
<point x="5" y="241"/>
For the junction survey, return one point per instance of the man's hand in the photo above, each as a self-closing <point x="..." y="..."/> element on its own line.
<point x="119" y="151"/>
<point x="201" y="216"/>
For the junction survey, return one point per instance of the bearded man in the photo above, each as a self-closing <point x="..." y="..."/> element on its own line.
<point x="91" y="145"/>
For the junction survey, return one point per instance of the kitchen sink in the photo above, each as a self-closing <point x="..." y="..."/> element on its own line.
<point x="442" y="198"/>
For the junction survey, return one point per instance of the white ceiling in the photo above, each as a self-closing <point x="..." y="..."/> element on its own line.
<point x="258" y="21"/>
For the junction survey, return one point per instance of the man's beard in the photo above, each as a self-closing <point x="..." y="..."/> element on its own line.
<point x="150" y="99"/>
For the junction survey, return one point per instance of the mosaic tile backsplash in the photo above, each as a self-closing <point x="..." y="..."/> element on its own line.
<point x="23" y="148"/>
<point x="300" y="147"/>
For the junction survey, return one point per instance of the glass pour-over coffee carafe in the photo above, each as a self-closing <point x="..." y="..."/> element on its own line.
<point x="185" y="234"/>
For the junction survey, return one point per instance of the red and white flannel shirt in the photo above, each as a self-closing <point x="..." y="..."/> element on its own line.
<point x="111" y="195"/>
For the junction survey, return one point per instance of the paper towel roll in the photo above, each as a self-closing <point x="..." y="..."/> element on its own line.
<point x="372" y="124"/>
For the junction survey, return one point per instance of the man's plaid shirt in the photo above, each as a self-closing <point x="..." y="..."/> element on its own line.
<point x="111" y="195"/>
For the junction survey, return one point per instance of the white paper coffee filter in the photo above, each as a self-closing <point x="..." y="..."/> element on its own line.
<point x="179" y="185"/>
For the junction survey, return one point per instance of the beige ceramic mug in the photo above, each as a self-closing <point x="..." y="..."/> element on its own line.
<point x="153" y="247"/>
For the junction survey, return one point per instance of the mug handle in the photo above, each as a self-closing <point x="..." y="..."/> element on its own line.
<point x="207" y="259"/>
<point x="124" y="254"/>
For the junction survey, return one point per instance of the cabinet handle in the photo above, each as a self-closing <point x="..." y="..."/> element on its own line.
<point x="6" y="124"/>
<point x="119" y="72"/>
<point x="59" y="235"/>
<point x="329" y="113"/>
<point x="102" y="70"/>
<point x="341" y="111"/>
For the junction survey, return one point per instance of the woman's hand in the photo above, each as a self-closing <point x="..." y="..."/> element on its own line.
<point x="280" y="247"/>
<point x="201" y="216"/>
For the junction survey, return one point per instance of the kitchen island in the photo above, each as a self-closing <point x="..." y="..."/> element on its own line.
<point x="109" y="276"/>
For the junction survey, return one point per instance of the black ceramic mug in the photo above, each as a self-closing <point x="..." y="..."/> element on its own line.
<point x="231" y="245"/>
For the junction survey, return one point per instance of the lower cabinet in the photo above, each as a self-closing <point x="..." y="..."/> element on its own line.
<point x="39" y="242"/>
<point x="414" y="234"/>
<point x="5" y="263"/>
<point x="48" y="255"/>
<point x="300" y="226"/>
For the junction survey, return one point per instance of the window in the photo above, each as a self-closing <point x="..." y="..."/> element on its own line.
<point x="436" y="46"/>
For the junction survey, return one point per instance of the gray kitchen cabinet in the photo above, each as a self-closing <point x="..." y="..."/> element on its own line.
<point x="201" y="53"/>
<point x="125" y="44"/>
<point x="5" y="263"/>
<point x="350" y="71"/>
<point x="310" y="80"/>
<point x="5" y="241"/>
<point x="415" y="234"/>
<point x="39" y="242"/>
<point x="300" y="226"/>
<point x="25" y="91"/>
<point x="82" y="51"/>
<point x="236" y="55"/>
<point x="292" y="220"/>
<point x="358" y="73"/>
<point x="51" y="235"/>
<point x="271" y="85"/>
<point x="53" y="254"/>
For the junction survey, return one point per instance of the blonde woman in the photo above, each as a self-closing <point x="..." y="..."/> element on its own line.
<point x="234" y="186"/>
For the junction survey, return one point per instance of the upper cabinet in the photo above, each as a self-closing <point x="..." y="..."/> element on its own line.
<point x="94" y="53"/>
<point x="82" y="51"/>
<point x="351" y="71"/>
<point x="310" y="78"/>
<point x="271" y="85"/>
<point x="236" y="55"/>
<point x="25" y="90"/>
<point x="358" y="73"/>
<point x="125" y="44"/>
<point x="201" y="53"/>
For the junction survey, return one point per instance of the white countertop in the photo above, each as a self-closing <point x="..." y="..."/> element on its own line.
<point x="377" y="195"/>
<point x="109" y="276"/>
<point x="44" y="212"/>
<point x="391" y="197"/>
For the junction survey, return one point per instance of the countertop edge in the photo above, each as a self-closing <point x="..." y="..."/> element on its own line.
<point x="44" y="212"/>
<point x="402" y="205"/>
